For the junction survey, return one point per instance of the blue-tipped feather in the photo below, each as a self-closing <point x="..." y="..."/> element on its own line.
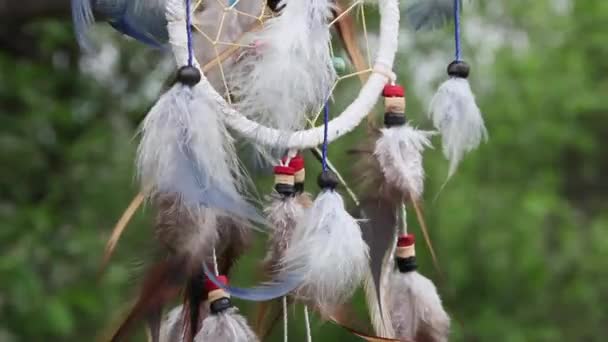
<point x="196" y="188"/>
<point x="429" y="14"/>
<point x="143" y="20"/>
<point x="82" y="16"/>
<point x="187" y="151"/>
<point x="287" y="283"/>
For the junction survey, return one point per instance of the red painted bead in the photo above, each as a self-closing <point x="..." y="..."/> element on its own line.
<point x="297" y="162"/>
<point x="393" y="90"/>
<point x="284" y="170"/>
<point x="210" y="286"/>
<point x="406" y="240"/>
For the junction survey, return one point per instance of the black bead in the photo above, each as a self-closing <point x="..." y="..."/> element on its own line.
<point x="394" y="119"/>
<point x="275" y="5"/>
<point x="299" y="188"/>
<point x="188" y="75"/>
<point x="285" y="189"/>
<point x="406" y="264"/>
<point x="327" y="180"/>
<point x="220" y="305"/>
<point x="459" y="69"/>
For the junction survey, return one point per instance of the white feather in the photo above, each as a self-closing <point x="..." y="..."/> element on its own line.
<point x="399" y="153"/>
<point x="186" y="150"/>
<point x="226" y="326"/>
<point x="283" y="215"/>
<point x="457" y="117"/>
<point x="328" y="252"/>
<point x="172" y="328"/>
<point x="290" y="74"/>
<point x="416" y="308"/>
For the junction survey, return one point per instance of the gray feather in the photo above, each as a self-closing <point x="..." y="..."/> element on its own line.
<point x="187" y="151"/>
<point x="379" y="228"/>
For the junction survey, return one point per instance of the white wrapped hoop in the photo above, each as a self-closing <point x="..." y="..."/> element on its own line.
<point x="348" y="120"/>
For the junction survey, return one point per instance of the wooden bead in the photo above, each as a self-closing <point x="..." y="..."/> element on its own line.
<point x="393" y="90"/>
<point x="300" y="176"/>
<point x="405" y="252"/>
<point x="284" y="179"/>
<point x="459" y="69"/>
<point x="394" y="104"/>
<point x="327" y="180"/>
<point x="214" y="295"/>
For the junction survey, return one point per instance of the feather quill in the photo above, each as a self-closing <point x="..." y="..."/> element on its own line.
<point x="289" y="73"/>
<point x="456" y="116"/>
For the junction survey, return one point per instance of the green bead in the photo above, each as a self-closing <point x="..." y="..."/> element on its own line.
<point x="339" y="64"/>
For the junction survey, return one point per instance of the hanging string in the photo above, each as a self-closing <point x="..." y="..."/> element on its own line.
<point x="325" y="134"/>
<point x="457" y="28"/>
<point x="403" y="219"/>
<point x="215" y="267"/>
<point x="285" y="317"/>
<point x="189" y="31"/>
<point x="307" y="322"/>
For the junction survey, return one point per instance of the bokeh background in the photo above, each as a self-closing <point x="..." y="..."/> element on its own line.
<point x="521" y="230"/>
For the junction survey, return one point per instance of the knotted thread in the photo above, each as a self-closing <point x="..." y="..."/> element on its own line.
<point x="325" y="135"/>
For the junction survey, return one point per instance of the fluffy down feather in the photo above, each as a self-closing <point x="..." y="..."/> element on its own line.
<point x="457" y="117"/>
<point x="399" y="153"/>
<point x="328" y="252"/>
<point x="172" y="328"/>
<point x="289" y="73"/>
<point x="429" y="14"/>
<point x="189" y="232"/>
<point x="283" y="214"/>
<point x="416" y="310"/>
<point x="187" y="151"/>
<point x="227" y="326"/>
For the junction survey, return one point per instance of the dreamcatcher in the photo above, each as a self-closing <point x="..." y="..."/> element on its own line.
<point x="264" y="73"/>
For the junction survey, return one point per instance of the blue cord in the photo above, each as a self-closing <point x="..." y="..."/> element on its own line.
<point x="457" y="28"/>
<point x="189" y="31"/>
<point x="325" y="134"/>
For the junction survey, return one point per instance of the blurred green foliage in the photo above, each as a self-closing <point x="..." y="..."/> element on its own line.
<point x="521" y="230"/>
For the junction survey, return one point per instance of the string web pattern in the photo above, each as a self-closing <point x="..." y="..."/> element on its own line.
<point x="223" y="50"/>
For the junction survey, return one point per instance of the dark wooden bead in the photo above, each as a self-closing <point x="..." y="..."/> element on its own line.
<point x="285" y="189"/>
<point x="299" y="187"/>
<point x="458" y="69"/>
<point x="275" y="5"/>
<point x="188" y="75"/>
<point x="220" y="305"/>
<point x="328" y="180"/>
<point x="394" y="119"/>
<point x="406" y="264"/>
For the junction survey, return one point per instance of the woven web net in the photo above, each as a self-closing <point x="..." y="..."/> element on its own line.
<point x="349" y="27"/>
